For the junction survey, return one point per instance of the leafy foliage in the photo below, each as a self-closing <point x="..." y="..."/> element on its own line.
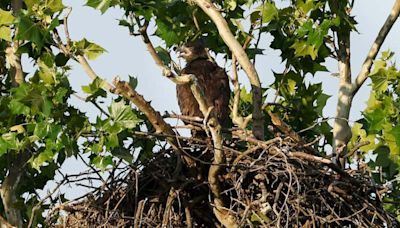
<point x="37" y="119"/>
<point x="380" y="125"/>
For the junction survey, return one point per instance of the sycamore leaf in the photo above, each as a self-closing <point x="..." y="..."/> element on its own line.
<point x="102" y="162"/>
<point x="378" y="65"/>
<point x="167" y="33"/>
<point x="232" y="4"/>
<point x="164" y="55"/>
<point x="133" y="82"/>
<point x="6" y="17"/>
<point x="91" y="50"/>
<point x="95" y="89"/>
<point x="306" y="5"/>
<point x="46" y="73"/>
<point x="54" y="5"/>
<point x="396" y="133"/>
<point x="321" y="102"/>
<point x="268" y="11"/>
<point x="379" y="82"/>
<point x="5" y="33"/>
<point x="43" y="157"/>
<point x="101" y="5"/>
<point x="303" y="49"/>
<point x="9" y="140"/>
<point x="375" y="118"/>
<point x="28" y="30"/>
<point x="123" y="115"/>
<point x="18" y="108"/>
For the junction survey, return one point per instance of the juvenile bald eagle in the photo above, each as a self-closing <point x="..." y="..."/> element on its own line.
<point x="212" y="80"/>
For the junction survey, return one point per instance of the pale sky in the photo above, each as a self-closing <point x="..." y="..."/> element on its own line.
<point x="127" y="56"/>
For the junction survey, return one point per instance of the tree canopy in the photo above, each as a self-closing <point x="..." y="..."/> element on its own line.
<point x="281" y="157"/>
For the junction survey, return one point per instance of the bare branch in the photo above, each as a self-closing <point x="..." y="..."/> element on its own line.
<point x="366" y="67"/>
<point x="248" y="67"/>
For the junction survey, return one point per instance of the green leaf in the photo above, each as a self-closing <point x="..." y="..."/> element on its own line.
<point x="18" y="108"/>
<point x="305" y="6"/>
<point x="6" y="17"/>
<point x="46" y="73"/>
<point x="379" y="82"/>
<point x="303" y="49"/>
<point x="375" y="119"/>
<point x="5" y="33"/>
<point x="95" y="89"/>
<point x="90" y="50"/>
<point x="123" y="115"/>
<point x="245" y="96"/>
<point x="232" y="4"/>
<point x="269" y="11"/>
<point x="396" y="134"/>
<point x="321" y="102"/>
<point x="61" y="59"/>
<point x="101" y="5"/>
<point x="102" y="162"/>
<point x="167" y="33"/>
<point x="133" y="82"/>
<point x="28" y="30"/>
<point x="10" y="140"/>
<point x="122" y="153"/>
<point x="54" y="5"/>
<point x="112" y="140"/>
<point x="42" y="158"/>
<point x="378" y="65"/>
<point x="390" y="139"/>
<point x="41" y="130"/>
<point x="164" y="55"/>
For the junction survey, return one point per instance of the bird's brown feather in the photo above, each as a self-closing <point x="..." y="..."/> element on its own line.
<point x="214" y="82"/>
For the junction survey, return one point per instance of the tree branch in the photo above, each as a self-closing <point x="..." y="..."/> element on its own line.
<point x="366" y="67"/>
<point x="237" y="119"/>
<point x="248" y="67"/>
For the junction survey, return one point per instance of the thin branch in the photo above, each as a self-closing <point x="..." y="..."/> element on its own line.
<point x="366" y="67"/>
<point x="236" y="118"/>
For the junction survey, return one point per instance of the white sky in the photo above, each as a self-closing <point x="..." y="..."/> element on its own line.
<point x="127" y="56"/>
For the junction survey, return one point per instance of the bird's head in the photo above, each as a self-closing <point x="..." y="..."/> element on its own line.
<point x="192" y="51"/>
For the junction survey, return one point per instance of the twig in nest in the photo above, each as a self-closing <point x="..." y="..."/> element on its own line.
<point x="355" y="148"/>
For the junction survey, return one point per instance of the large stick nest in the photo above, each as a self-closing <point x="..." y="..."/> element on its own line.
<point x="272" y="185"/>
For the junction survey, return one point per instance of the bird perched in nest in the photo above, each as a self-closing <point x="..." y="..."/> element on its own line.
<point x="212" y="80"/>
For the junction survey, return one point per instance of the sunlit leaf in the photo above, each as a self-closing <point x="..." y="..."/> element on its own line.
<point x="6" y="17"/>
<point x="102" y="5"/>
<point x="5" y="33"/>
<point x="123" y="114"/>
<point x="303" y="49"/>
<point x="268" y="11"/>
<point x="91" y="50"/>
